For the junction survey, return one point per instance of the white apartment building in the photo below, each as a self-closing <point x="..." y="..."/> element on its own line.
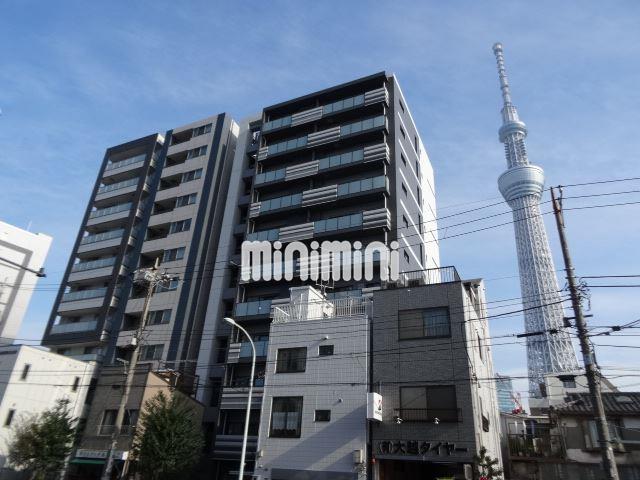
<point x="32" y="380"/>
<point x="21" y="254"/>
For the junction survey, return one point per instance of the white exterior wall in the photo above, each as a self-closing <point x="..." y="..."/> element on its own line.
<point x="16" y="284"/>
<point x="51" y="378"/>
<point x="337" y="383"/>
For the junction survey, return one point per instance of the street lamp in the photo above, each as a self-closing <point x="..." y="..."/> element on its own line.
<point x="233" y="323"/>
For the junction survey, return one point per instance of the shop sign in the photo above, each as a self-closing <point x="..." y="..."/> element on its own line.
<point x="418" y="448"/>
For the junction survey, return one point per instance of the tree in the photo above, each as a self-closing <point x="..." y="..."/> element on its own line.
<point x="42" y="443"/>
<point x="169" y="440"/>
<point x="485" y="466"/>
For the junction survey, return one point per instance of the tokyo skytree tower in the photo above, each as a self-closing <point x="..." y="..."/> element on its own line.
<point x="521" y="185"/>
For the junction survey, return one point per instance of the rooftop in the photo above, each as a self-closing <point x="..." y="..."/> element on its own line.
<point x="615" y="403"/>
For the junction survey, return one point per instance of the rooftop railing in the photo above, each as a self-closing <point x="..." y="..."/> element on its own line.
<point x="321" y="309"/>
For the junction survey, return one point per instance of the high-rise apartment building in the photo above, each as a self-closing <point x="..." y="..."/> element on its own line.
<point x="157" y="198"/>
<point x="344" y="163"/>
<point x="504" y="390"/>
<point x="22" y="254"/>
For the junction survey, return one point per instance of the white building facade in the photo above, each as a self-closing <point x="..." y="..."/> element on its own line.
<point x="33" y="380"/>
<point x="21" y="254"/>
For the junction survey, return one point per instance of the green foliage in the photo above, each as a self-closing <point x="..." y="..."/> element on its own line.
<point x="169" y="440"/>
<point x="486" y="467"/>
<point x="42" y="443"/>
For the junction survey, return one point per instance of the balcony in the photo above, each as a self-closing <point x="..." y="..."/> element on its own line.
<point x="242" y="351"/>
<point x="442" y="415"/>
<point x="340" y="308"/>
<point x="536" y="446"/>
<point x="83" y="300"/>
<point x="228" y="447"/>
<point x="126" y="165"/>
<point x="430" y="276"/>
<point x="83" y="271"/>
<point x="109" y="214"/>
<point x="87" y="357"/>
<point x="84" y="294"/>
<point x="124" y="187"/>
<point x="314" y="114"/>
<point x="259" y="308"/>
<point x="73" y="327"/>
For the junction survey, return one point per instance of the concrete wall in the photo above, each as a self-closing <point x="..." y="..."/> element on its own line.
<point x="337" y="383"/>
<point x="16" y="284"/>
<point x="50" y="378"/>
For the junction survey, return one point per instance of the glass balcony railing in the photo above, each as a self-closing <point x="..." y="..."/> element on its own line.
<point x="338" y="223"/>
<point x="99" y="237"/>
<point x="277" y="123"/>
<point x="110" y="210"/>
<point x="84" y="294"/>
<point x="286" y="145"/>
<point x="119" y="185"/>
<point x="261" y="348"/>
<point x="127" y="161"/>
<point x="93" y="264"/>
<point x="271" y="176"/>
<point x="281" y="202"/>
<point x="248" y="309"/>
<point x="362" y="125"/>
<point x="74" y="327"/>
<point x="343" y="104"/>
<point x="265" y="235"/>
<point x="341" y="159"/>
<point x="363" y="185"/>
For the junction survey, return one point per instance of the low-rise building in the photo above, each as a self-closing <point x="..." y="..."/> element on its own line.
<point x="90" y="456"/>
<point x="33" y="380"/>
<point x="314" y="403"/>
<point x="433" y="367"/>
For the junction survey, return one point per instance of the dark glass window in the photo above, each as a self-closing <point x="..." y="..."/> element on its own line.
<point x="325" y="350"/>
<point x="426" y="404"/>
<point x="291" y="360"/>
<point x="25" y="372"/>
<point x="428" y="323"/>
<point x="286" y="417"/>
<point x="323" y="415"/>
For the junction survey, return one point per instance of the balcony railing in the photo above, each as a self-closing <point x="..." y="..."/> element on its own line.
<point x="94" y="264"/>
<point x="536" y="445"/>
<point x="109" y="429"/>
<point x="429" y="276"/>
<point x="261" y="349"/>
<point x="127" y="161"/>
<point x="74" y="327"/>
<point x="445" y="415"/>
<point x="249" y="309"/>
<point x="84" y="294"/>
<point x="87" y="357"/>
<point x="119" y="185"/>
<point x="322" y="309"/>
<point x="243" y="382"/>
<point x="110" y="210"/>
<point x="99" y="237"/>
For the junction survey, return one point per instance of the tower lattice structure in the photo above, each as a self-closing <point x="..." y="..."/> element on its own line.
<point x="521" y="186"/>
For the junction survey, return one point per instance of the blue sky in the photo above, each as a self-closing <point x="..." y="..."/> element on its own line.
<point x="77" y="77"/>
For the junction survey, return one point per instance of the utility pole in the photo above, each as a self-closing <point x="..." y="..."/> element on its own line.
<point x="150" y="278"/>
<point x="588" y="355"/>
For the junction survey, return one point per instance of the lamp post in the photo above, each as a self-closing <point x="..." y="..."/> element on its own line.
<point x="232" y="322"/>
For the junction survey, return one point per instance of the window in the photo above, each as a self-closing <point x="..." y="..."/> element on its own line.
<point x="420" y="223"/>
<point x="325" y="350"/>
<point x="197" y="152"/>
<point x="76" y="384"/>
<point x="192" y="175"/>
<point x="419" y="195"/>
<point x="109" y="421"/>
<point x="180" y="226"/>
<point x="202" y="130"/>
<point x="429" y="323"/>
<point x="404" y="160"/>
<point x="159" y="317"/>
<point x="169" y="287"/>
<point x="404" y="135"/>
<point x="186" y="200"/>
<point x="406" y="256"/>
<point x="286" y="417"/>
<point x="421" y="253"/>
<point x="291" y="360"/>
<point x="10" y="414"/>
<point x="173" y="254"/>
<point x="322" y="416"/>
<point x="568" y="381"/>
<point x="417" y="169"/>
<point x="25" y="371"/>
<point x="151" y="352"/>
<point x="404" y="189"/>
<point x="426" y="404"/>
<point x="405" y="221"/>
<point x="416" y="144"/>
<point x="401" y="105"/>
<point x="480" y="347"/>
